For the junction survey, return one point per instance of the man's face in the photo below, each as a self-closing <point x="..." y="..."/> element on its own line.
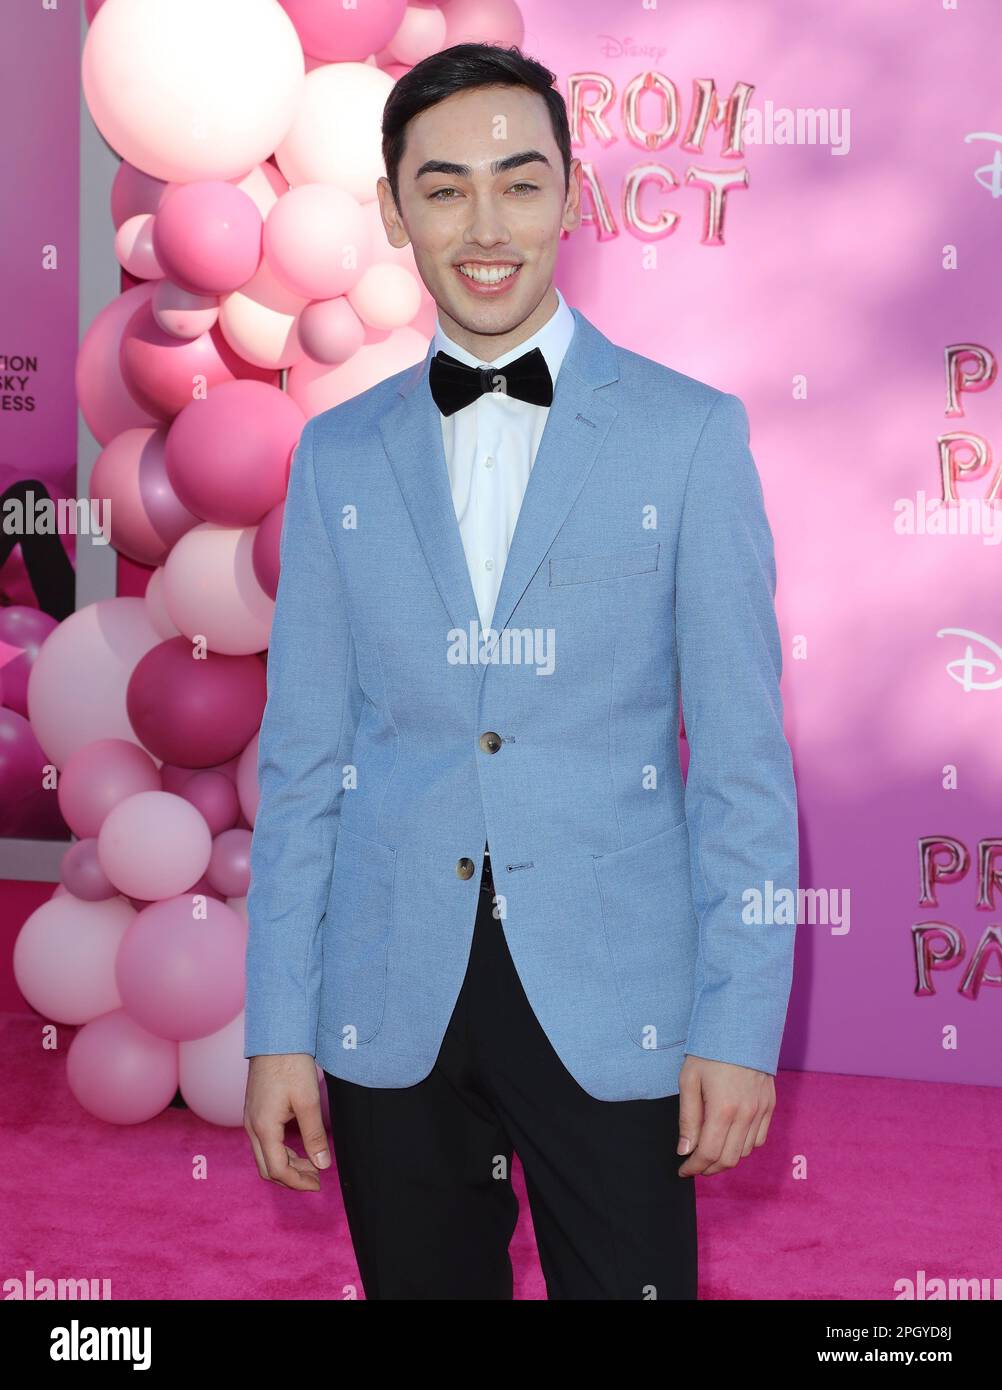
<point x="502" y="225"/>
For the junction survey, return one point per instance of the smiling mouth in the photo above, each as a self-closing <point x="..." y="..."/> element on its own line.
<point x="488" y="275"/>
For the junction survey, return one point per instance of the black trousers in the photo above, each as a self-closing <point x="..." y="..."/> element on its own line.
<point x="425" y="1169"/>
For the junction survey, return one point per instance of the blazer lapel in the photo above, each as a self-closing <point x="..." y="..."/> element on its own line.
<point x="578" y="422"/>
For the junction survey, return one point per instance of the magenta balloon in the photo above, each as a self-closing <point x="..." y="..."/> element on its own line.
<point x="147" y="517"/>
<point x="265" y="550"/>
<point x="179" y="976"/>
<point x="22" y="626"/>
<point x="120" y="1072"/>
<point x="207" y="236"/>
<point x="100" y="774"/>
<point x="228" y="455"/>
<point x="328" y="29"/>
<point x="214" y="794"/>
<point x="229" y="867"/>
<point x="106" y="403"/>
<point x="159" y="369"/>
<point x="82" y="874"/>
<point x="26" y="806"/>
<point x="195" y="713"/>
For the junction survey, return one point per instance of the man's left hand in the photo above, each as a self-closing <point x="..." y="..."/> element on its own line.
<point x="724" y="1113"/>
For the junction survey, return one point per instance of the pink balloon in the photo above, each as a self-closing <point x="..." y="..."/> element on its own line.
<point x="265" y="551"/>
<point x="329" y="30"/>
<point x="318" y="388"/>
<point x="386" y="297"/>
<point x="27" y="628"/>
<point x="214" y="796"/>
<point x="77" y="687"/>
<point x="181" y="314"/>
<point x="98" y="776"/>
<point x="153" y="845"/>
<point x="213" y="1074"/>
<point x="207" y="236"/>
<point x="316" y="240"/>
<point x="260" y="321"/>
<point x="147" y="517"/>
<point x="229" y="867"/>
<point x="134" y="247"/>
<point x="212" y="594"/>
<point x="105" y="401"/>
<point x="155" y="606"/>
<point x="422" y="33"/>
<point x="247" y="784"/>
<point x="119" y="1072"/>
<point x="483" y="21"/>
<point x="330" y="330"/>
<point x="196" y="713"/>
<point x="161" y="370"/>
<point x="82" y="874"/>
<point x="27" y="805"/>
<point x="64" y="957"/>
<point x="133" y="192"/>
<point x="181" y="976"/>
<point x="228" y="455"/>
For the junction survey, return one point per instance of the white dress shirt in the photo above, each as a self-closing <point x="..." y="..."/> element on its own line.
<point x="490" y="447"/>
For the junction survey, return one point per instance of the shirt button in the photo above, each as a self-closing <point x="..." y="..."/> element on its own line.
<point x="489" y="461"/>
<point x="488" y="564"/>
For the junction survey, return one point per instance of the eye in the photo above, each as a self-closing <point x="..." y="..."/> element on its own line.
<point x="435" y="195"/>
<point x="530" y="186"/>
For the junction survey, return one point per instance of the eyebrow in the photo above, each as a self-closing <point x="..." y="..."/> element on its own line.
<point x="499" y="166"/>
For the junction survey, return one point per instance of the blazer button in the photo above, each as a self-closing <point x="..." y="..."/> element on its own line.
<point x="490" y="742"/>
<point x="466" y="868"/>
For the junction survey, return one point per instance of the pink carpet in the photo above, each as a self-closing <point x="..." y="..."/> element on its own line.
<point x="899" y="1176"/>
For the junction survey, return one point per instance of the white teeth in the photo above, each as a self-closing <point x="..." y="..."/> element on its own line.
<point x="488" y="277"/>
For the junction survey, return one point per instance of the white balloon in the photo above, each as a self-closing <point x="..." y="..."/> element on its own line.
<point x="335" y="137"/>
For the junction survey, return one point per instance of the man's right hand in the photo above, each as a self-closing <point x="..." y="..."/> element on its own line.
<point x="280" y="1088"/>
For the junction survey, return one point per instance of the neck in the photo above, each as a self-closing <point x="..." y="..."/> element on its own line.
<point x="488" y="346"/>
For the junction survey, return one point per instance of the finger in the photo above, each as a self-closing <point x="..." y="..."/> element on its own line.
<point x="276" y="1157"/>
<point x="763" y="1129"/>
<point x="690" y="1112"/>
<point x="258" y="1152"/>
<point x="712" y="1137"/>
<point x="310" y="1119"/>
<point x="734" y="1142"/>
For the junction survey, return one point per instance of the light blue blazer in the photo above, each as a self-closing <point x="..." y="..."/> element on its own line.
<point x="641" y="566"/>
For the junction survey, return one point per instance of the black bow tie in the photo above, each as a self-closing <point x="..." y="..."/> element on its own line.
<point x="454" y="384"/>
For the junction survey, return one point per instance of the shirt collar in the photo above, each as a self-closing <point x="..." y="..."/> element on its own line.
<point x="553" y="340"/>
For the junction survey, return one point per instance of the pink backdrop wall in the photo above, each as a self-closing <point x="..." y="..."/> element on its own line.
<point x="828" y="309"/>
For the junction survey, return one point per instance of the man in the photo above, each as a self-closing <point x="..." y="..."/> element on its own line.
<point x="482" y="897"/>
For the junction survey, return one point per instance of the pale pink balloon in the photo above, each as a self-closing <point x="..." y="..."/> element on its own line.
<point x="331" y="30"/>
<point x="214" y="796"/>
<point x="330" y="330"/>
<point x="213" y="1074"/>
<point x="118" y="1071"/>
<point x="316" y="240"/>
<point x="387" y="296"/>
<point x="164" y="373"/>
<point x="211" y="590"/>
<point x="182" y="314"/>
<point x="483" y="21"/>
<point x="181" y="972"/>
<point x="105" y="401"/>
<point x="157" y="609"/>
<point x="153" y="845"/>
<point x="260" y="321"/>
<point x="188" y="90"/>
<point x="264" y="185"/>
<point x="134" y="247"/>
<point x="147" y="517"/>
<point x="247" y="784"/>
<point x="207" y="236"/>
<point x="317" y="388"/>
<point x="77" y="686"/>
<point x="335" y="137"/>
<point x="97" y="777"/>
<point x="421" y="33"/>
<point x="228" y="455"/>
<point x="64" y="957"/>
<point x="133" y="192"/>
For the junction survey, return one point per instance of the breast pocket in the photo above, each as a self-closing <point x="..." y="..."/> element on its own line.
<point x="610" y="564"/>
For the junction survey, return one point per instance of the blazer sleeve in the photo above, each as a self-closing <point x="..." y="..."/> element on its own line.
<point x="307" y="731"/>
<point x="740" y="796"/>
